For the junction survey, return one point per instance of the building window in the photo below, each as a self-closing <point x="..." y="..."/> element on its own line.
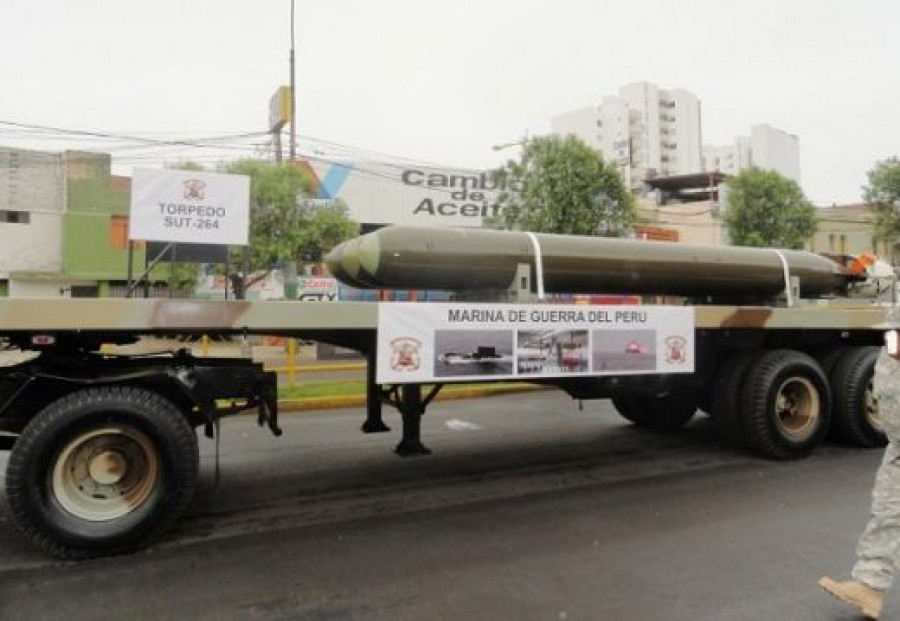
<point x="118" y="234"/>
<point x="14" y="217"/>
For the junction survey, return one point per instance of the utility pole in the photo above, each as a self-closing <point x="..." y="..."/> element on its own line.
<point x="293" y="147"/>
<point x="276" y="144"/>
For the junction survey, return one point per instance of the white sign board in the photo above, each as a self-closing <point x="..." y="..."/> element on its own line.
<point x="189" y="206"/>
<point x="426" y="342"/>
<point x="400" y="193"/>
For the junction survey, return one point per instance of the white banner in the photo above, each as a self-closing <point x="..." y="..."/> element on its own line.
<point x="386" y="193"/>
<point x="427" y="342"/>
<point x="189" y="206"/>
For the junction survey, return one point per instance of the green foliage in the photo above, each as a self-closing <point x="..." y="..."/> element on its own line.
<point x="766" y="209"/>
<point x="282" y="231"/>
<point x="182" y="277"/>
<point x="276" y="221"/>
<point x="281" y="228"/>
<point x="883" y="194"/>
<point x="565" y="187"/>
<point x="323" y="229"/>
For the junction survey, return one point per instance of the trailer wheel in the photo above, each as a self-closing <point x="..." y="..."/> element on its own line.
<point x="101" y="471"/>
<point x="786" y="405"/>
<point x="663" y="412"/>
<point x="856" y="419"/>
<point x="829" y="357"/>
<point x="726" y="397"/>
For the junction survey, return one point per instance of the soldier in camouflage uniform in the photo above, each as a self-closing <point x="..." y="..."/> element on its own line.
<point x="878" y="551"/>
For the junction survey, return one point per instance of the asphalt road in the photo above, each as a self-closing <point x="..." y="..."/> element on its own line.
<point x="529" y="509"/>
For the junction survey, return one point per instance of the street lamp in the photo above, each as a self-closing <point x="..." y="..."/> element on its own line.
<point x="506" y="145"/>
<point x="521" y="142"/>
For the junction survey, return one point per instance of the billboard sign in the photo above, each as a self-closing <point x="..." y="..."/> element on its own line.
<point x="317" y="289"/>
<point x="189" y="206"/>
<point x="280" y="108"/>
<point x="440" y="342"/>
<point x="401" y="193"/>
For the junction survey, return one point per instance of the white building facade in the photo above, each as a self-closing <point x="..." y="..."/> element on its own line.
<point x="32" y="202"/>
<point x="648" y="131"/>
<point x="767" y="148"/>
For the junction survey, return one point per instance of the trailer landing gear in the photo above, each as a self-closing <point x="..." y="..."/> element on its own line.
<point x="374" y="423"/>
<point x="408" y="400"/>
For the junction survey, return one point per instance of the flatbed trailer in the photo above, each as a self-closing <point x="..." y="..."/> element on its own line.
<point x="103" y="448"/>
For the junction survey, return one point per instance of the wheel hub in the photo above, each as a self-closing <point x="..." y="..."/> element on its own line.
<point x="797" y="406"/>
<point x="873" y="414"/>
<point x="106" y="473"/>
<point x="108" y="467"/>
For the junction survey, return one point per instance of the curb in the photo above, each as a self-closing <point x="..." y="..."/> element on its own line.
<point x="315" y="368"/>
<point x="447" y="394"/>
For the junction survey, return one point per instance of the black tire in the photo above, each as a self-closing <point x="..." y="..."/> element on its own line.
<point x="855" y="419"/>
<point x="726" y="397"/>
<point x="102" y="471"/>
<point x="786" y="405"/>
<point x="828" y="358"/>
<point x="667" y="411"/>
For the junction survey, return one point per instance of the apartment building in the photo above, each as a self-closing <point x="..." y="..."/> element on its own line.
<point x="647" y="131"/>
<point x="766" y="147"/>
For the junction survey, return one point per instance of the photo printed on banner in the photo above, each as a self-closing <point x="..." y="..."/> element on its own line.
<point x="555" y="352"/>
<point x="465" y="353"/>
<point x="624" y="350"/>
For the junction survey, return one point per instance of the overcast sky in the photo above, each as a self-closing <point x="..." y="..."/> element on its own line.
<point x="444" y="81"/>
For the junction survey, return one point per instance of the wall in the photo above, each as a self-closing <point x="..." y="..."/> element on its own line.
<point x="687" y="133"/>
<point x="848" y="229"/>
<point x="31" y="247"/>
<point x="90" y="250"/>
<point x="773" y="149"/>
<point x="52" y="288"/>
<point x="694" y="222"/>
<point x="31" y="182"/>
<point x="581" y="123"/>
<point x="643" y="99"/>
<point x="607" y="128"/>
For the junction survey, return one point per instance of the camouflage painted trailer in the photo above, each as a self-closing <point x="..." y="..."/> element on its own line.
<point x="103" y="448"/>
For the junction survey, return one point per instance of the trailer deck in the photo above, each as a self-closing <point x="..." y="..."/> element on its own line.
<point x="137" y="316"/>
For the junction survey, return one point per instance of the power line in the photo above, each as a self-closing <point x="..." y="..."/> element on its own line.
<point x="200" y="143"/>
<point x="47" y="132"/>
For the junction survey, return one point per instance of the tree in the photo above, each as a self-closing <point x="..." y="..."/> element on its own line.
<point x="275" y="219"/>
<point x="561" y="185"/>
<point x="883" y="194"/>
<point x="766" y="209"/>
<point x="281" y="231"/>
<point x="325" y="228"/>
